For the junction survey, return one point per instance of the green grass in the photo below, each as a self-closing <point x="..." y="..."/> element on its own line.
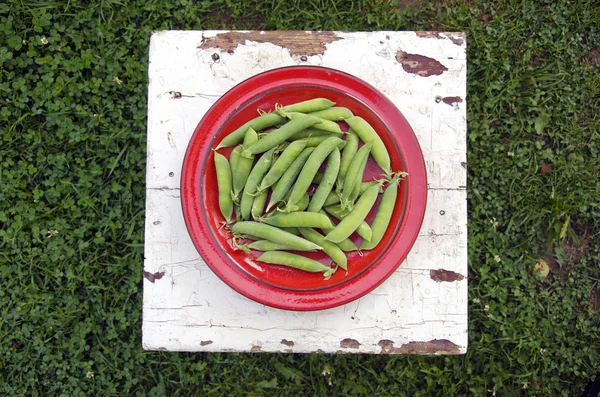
<point x="72" y="155"/>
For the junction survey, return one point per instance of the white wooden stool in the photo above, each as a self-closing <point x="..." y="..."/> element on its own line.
<point x="421" y="308"/>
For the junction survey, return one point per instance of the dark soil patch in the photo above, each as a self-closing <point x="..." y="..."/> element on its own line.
<point x="569" y="251"/>
<point x="593" y="57"/>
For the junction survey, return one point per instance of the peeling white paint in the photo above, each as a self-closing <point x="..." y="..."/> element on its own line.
<point x="190" y="309"/>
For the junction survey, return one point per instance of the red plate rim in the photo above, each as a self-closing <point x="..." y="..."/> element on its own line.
<point x="201" y="143"/>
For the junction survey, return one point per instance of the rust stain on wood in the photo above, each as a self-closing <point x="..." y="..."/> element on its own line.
<point x="419" y="64"/>
<point x="297" y="42"/>
<point x="206" y="342"/>
<point x="451" y="100"/>
<point x="153" y="276"/>
<point x="287" y="342"/>
<point x="435" y="346"/>
<point x="441" y="275"/>
<point x="255" y="349"/>
<point x="349" y="343"/>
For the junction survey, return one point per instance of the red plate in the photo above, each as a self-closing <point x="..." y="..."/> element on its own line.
<point x="278" y="286"/>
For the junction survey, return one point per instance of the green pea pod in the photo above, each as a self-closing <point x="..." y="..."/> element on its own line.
<point x="261" y="122"/>
<point x="315" y="141"/>
<point x="363" y="229"/>
<point x="354" y="175"/>
<point x="367" y="134"/>
<point x="283" y="185"/>
<point x="275" y="137"/>
<point x="282" y="164"/>
<point x="266" y="245"/>
<point x="234" y="158"/>
<point x="303" y="203"/>
<point x="326" y="184"/>
<point x="297" y="262"/>
<point x="274" y="234"/>
<point x="334" y="113"/>
<point x="334" y="197"/>
<point x="311" y="133"/>
<point x="299" y="219"/>
<point x="358" y="214"/>
<point x="324" y="125"/>
<point x="243" y="165"/>
<point x="348" y="154"/>
<point x="332" y="250"/>
<point x="224" y="185"/>
<point x="345" y="245"/>
<point x="358" y="183"/>
<point x="311" y="105"/>
<point x="258" y="205"/>
<point x="258" y="171"/>
<point x="383" y="216"/>
<point x="310" y="169"/>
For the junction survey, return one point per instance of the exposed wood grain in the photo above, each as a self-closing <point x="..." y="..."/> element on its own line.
<point x="441" y="275"/>
<point x="451" y="100"/>
<point x="420" y="65"/>
<point x="153" y="276"/>
<point x="297" y="42"/>
<point x="435" y="346"/>
<point x="349" y="343"/>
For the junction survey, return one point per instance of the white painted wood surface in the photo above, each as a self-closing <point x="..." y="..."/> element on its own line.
<point x="187" y="308"/>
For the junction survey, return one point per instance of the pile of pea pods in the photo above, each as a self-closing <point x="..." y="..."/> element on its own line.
<point x="267" y="178"/>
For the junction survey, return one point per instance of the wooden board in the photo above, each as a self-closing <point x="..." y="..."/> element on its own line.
<point x="421" y="308"/>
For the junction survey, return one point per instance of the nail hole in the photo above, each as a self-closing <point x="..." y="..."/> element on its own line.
<point x="215" y="57"/>
<point x="303" y="58"/>
<point x="442" y="212"/>
<point x="171" y="174"/>
<point x="438" y="99"/>
<point x="156" y="223"/>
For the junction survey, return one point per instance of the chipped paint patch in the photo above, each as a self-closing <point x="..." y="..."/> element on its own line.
<point x="206" y="342"/>
<point x="452" y="100"/>
<point x="349" y="343"/>
<point x="430" y="35"/>
<point x="288" y="351"/>
<point x="386" y="346"/>
<point x="153" y="276"/>
<point x="255" y="349"/>
<point x="435" y="346"/>
<point x="298" y="43"/>
<point x="456" y="38"/>
<point x="286" y="342"/>
<point x="419" y="64"/>
<point x="441" y="275"/>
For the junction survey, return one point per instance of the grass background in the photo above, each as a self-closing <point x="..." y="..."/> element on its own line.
<point x="72" y="153"/>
